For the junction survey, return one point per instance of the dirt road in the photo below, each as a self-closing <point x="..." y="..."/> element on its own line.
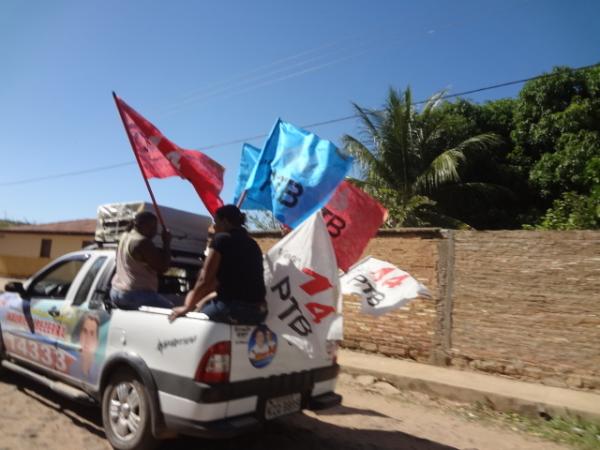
<point x="371" y="417"/>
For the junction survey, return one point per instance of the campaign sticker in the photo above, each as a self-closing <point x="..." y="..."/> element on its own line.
<point x="262" y="346"/>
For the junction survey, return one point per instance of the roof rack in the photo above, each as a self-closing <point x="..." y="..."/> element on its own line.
<point x="189" y="231"/>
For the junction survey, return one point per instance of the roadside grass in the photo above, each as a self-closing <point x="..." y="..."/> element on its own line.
<point x="573" y="431"/>
<point x="570" y="431"/>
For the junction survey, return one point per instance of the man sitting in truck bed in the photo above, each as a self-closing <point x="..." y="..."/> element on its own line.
<point x="139" y="262"/>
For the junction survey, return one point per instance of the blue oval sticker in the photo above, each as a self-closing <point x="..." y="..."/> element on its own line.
<point x="262" y="346"/>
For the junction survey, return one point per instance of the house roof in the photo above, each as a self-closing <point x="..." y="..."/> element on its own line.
<point x="75" y="227"/>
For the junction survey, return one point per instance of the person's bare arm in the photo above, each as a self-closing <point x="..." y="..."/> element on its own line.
<point x="157" y="259"/>
<point x="206" y="283"/>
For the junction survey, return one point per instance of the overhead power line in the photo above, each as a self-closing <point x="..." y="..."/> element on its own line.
<point x="291" y="66"/>
<point x="311" y="125"/>
<point x="299" y="64"/>
<point x="420" y="102"/>
<point x="68" y="174"/>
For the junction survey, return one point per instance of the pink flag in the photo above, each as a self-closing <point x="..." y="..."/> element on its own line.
<point x="353" y="218"/>
<point x="161" y="158"/>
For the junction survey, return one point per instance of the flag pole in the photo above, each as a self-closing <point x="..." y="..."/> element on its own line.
<point x="242" y="198"/>
<point x="137" y="158"/>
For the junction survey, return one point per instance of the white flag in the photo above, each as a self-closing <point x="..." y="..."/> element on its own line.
<point x="303" y="293"/>
<point x="381" y="285"/>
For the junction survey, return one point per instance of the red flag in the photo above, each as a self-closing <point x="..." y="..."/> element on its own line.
<point x="161" y="158"/>
<point x="353" y="218"/>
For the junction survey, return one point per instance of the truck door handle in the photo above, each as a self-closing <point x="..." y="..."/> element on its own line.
<point x="54" y="312"/>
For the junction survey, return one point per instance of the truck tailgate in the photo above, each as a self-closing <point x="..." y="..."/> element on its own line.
<point x="257" y="352"/>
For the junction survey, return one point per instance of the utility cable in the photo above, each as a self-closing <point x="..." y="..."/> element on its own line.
<point x="311" y="125"/>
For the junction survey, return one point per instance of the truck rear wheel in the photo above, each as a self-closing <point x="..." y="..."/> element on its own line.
<point x="126" y="413"/>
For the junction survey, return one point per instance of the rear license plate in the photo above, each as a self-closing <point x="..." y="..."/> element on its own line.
<point x="280" y="406"/>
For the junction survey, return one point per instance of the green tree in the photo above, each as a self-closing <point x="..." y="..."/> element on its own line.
<point x="557" y="144"/>
<point x="539" y="120"/>
<point x="573" y="211"/>
<point x="5" y="223"/>
<point x="495" y="206"/>
<point x="412" y="163"/>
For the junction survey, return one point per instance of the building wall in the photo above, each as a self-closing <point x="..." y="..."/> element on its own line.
<point x="20" y="252"/>
<point x="523" y="304"/>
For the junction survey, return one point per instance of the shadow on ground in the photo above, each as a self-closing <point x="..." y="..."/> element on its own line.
<point x="82" y="416"/>
<point x="297" y="432"/>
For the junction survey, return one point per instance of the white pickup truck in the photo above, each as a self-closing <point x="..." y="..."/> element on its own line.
<point x="153" y="379"/>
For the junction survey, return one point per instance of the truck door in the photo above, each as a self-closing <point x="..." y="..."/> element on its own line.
<point x="37" y="326"/>
<point x="84" y="342"/>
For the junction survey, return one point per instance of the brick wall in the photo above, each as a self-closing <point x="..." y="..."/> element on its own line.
<point x="411" y="331"/>
<point x="527" y="304"/>
<point x="523" y="304"/>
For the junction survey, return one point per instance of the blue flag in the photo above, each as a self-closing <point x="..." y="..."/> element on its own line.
<point x="249" y="159"/>
<point x="296" y="173"/>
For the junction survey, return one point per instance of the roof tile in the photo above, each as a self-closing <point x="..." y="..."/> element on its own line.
<point x="82" y="226"/>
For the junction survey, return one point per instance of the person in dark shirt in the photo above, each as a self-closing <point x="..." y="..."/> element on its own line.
<point x="234" y="268"/>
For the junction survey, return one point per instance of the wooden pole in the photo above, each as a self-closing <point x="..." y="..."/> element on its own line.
<point x="137" y="158"/>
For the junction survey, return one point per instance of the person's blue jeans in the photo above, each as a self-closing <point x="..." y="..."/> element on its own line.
<point x="235" y="312"/>
<point x="135" y="299"/>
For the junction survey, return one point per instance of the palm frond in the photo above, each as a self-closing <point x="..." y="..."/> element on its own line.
<point x="407" y="214"/>
<point x="443" y="169"/>
<point x="364" y="155"/>
<point x="429" y="128"/>
<point x="370" y="121"/>
<point x="397" y="139"/>
<point x="433" y="102"/>
<point x="371" y="166"/>
<point x="483" y="141"/>
<point x="438" y="219"/>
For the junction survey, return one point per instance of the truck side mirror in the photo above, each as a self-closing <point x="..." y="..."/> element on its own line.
<point x="15" y="286"/>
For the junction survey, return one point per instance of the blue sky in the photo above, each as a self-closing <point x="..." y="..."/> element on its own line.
<point x="211" y="72"/>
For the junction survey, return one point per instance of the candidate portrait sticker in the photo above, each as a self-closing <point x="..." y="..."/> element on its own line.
<point x="262" y="346"/>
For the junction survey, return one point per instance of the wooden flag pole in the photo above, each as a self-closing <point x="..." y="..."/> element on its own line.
<point x="137" y="158"/>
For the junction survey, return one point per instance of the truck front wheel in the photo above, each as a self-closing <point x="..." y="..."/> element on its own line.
<point x="126" y="413"/>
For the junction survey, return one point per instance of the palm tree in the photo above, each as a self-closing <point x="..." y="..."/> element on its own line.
<point x="402" y="164"/>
